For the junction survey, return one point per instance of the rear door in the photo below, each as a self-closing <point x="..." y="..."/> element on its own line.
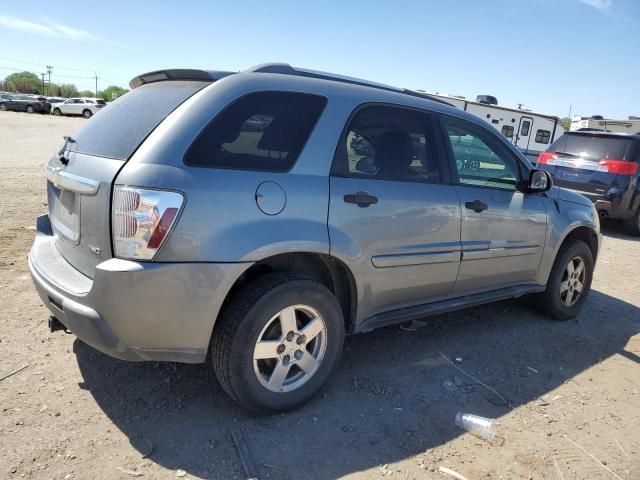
<point x="80" y="175"/>
<point x="393" y="218"/>
<point x="503" y="230"/>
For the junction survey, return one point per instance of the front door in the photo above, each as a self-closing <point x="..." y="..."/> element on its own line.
<point x="503" y="229"/>
<point x="392" y="219"/>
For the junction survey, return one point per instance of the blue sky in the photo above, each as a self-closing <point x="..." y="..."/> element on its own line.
<point x="545" y="54"/>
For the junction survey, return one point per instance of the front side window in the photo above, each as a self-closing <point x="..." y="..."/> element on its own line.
<point x="507" y="131"/>
<point x="481" y="160"/>
<point x="264" y="131"/>
<point x="388" y="143"/>
<point x="543" y="136"/>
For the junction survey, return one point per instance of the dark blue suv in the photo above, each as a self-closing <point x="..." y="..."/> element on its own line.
<point x="603" y="166"/>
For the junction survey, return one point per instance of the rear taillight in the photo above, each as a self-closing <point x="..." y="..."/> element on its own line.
<point x="546" y="158"/>
<point x="141" y="220"/>
<point x="619" y="167"/>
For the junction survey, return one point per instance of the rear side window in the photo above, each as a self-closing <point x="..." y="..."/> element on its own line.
<point x="118" y="130"/>
<point x="264" y="131"/>
<point x="595" y="147"/>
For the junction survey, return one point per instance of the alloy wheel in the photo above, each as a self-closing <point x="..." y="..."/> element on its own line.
<point x="573" y="281"/>
<point x="290" y="348"/>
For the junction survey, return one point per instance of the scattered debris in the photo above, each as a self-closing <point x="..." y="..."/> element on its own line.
<point x="15" y="371"/>
<point x="131" y="473"/>
<point x="451" y="473"/>
<point x="481" y="427"/>
<point x="594" y="458"/>
<point x="181" y="473"/>
<point x="449" y="386"/>
<point x="622" y="449"/>
<point x="475" y="379"/>
<point x="243" y="453"/>
<point x="532" y="369"/>
<point x="558" y="471"/>
<point x="412" y="326"/>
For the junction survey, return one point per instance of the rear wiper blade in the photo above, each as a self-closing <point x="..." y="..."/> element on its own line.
<point x="67" y="141"/>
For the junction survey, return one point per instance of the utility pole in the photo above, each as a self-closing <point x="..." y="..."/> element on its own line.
<point x="49" y="69"/>
<point x="43" y="92"/>
<point x="96" y="74"/>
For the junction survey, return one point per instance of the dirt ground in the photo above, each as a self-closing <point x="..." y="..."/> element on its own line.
<point x="571" y="406"/>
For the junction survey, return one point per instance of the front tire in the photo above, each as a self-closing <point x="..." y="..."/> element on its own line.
<point x="569" y="282"/>
<point x="277" y="342"/>
<point x="57" y="112"/>
<point x="3" y="107"/>
<point x="30" y="109"/>
<point x="86" y="113"/>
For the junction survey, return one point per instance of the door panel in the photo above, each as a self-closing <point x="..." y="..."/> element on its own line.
<point x="405" y="249"/>
<point x="503" y="244"/>
<point x="391" y="220"/>
<point x="503" y="230"/>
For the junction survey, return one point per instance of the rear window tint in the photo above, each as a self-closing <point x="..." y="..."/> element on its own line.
<point x="263" y="131"/>
<point x="595" y="147"/>
<point x="117" y="130"/>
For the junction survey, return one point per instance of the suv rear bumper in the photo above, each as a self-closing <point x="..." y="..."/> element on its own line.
<point x="133" y="310"/>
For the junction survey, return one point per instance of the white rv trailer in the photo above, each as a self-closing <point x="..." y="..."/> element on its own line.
<point x="531" y="132"/>
<point x="597" y="122"/>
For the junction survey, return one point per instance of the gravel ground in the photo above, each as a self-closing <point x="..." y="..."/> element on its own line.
<point x="388" y="411"/>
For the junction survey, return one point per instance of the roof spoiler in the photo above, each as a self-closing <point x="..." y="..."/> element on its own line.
<point x="178" y="74"/>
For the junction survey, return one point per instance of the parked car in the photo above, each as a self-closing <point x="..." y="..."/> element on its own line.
<point x="228" y="223"/>
<point x="53" y="100"/>
<point x="605" y="167"/>
<point x="87" y="107"/>
<point x="25" y="103"/>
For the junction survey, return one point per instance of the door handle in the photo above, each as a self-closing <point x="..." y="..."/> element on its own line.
<point x="477" y="206"/>
<point x="362" y="199"/>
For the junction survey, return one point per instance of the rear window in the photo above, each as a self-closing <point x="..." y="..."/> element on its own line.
<point x="595" y="147"/>
<point x="118" y="130"/>
<point x="263" y="131"/>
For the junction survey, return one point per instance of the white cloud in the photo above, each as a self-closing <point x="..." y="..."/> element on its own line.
<point x="602" y="5"/>
<point x="48" y="28"/>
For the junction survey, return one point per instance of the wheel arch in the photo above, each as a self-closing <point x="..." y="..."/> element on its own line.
<point x="323" y="268"/>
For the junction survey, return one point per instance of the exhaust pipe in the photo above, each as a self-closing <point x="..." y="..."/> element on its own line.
<point x="55" y="325"/>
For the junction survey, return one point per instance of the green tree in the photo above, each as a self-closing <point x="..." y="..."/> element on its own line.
<point x="112" y="92"/>
<point x="86" y="93"/>
<point x="23" y="82"/>
<point x="67" y="90"/>
<point x="566" y="123"/>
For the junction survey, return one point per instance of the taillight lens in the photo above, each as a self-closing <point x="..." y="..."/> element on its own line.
<point x="546" y="158"/>
<point x="141" y="220"/>
<point x="619" y="167"/>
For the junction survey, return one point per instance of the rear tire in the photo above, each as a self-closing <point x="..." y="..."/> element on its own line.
<point x="30" y="109"/>
<point x="86" y="113"/>
<point x="3" y="107"/>
<point x="277" y="342"/>
<point x="57" y="112"/>
<point x="569" y="282"/>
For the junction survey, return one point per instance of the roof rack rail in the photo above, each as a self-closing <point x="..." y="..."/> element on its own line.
<point x="286" y="69"/>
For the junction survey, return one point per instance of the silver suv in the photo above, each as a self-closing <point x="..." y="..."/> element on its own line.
<point x="253" y="219"/>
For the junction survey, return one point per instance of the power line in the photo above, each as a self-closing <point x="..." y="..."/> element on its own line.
<point x="57" y="67"/>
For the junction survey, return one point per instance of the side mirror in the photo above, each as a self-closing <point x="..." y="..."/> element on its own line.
<point x="539" y="181"/>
